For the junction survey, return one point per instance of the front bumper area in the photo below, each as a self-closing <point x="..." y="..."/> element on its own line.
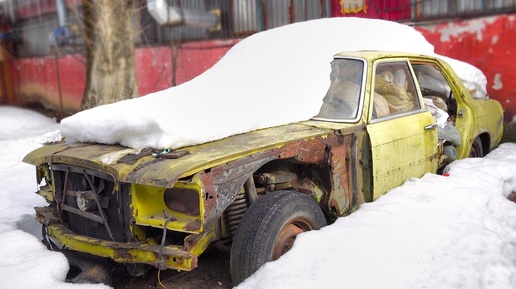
<point x="161" y="257"/>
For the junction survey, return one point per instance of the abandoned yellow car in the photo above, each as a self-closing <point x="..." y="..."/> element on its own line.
<point x="380" y="124"/>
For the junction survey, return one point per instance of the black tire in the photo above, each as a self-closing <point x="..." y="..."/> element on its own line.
<point x="86" y="268"/>
<point x="477" y="150"/>
<point x="258" y="240"/>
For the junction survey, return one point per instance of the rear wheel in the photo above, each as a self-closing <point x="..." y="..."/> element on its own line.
<point x="476" y="151"/>
<point x="269" y="228"/>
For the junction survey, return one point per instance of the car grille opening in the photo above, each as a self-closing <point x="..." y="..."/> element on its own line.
<point x="90" y="203"/>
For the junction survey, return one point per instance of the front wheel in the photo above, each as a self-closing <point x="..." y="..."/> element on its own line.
<point x="269" y="228"/>
<point x="476" y="151"/>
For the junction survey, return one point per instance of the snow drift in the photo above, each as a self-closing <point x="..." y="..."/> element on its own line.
<point x="271" y="78"/>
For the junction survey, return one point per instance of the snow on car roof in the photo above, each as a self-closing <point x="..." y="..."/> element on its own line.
<point x="271" y="78"/>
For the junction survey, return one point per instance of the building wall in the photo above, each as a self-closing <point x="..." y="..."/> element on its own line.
<point x="57" y="83"/>
<point x="37" y="78"/>
<point x="155" y="68"/>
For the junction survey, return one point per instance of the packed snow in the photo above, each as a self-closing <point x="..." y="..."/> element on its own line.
<point x="24" y="260"/>
<point x="457" y="231"/>
<point x="271" y="78"/>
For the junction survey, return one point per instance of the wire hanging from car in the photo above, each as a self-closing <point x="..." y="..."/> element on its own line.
<point x="161" y="263"/>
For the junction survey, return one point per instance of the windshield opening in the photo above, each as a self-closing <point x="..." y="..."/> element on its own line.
<point x="343" y="97"/>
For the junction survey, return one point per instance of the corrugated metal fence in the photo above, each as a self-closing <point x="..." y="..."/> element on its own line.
<point x="31" y="22"/>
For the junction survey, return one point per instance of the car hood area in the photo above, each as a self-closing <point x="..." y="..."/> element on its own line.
<point x="163" y="168"/>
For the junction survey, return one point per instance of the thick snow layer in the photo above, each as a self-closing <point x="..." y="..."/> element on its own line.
<point x="473" y="78"/>
<point x="271" y="78"/>
<point x="24" y="261"/>
<point x="434" y="232"/>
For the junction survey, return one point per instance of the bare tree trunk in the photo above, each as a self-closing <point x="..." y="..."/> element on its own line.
<point x="110" y="72"/>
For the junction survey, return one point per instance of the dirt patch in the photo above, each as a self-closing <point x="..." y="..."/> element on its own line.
<point x="212" y="273"/>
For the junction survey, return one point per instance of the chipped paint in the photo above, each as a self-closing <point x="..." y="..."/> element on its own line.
<point x="111" y="157"/>
<point x="497" y="82"/>
<point x="455" y="30"/>
<point x="494" y="40"/>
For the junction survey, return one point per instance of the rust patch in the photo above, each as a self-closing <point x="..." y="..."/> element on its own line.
<point x="311" y="151"/>
<point x="340" y="162"/>
<point x="131" y="159"/>
<point x="192" y="226"/>
<point x="512" y="197"/>
<point x="210" y="196"/>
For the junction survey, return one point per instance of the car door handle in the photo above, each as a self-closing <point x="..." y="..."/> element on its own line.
<point x="431" y="126"/>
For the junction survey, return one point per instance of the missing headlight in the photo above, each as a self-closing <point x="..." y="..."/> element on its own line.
<point x="183" y="200"/>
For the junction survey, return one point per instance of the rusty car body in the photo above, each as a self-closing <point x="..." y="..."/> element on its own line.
<point x="165" y="208"/>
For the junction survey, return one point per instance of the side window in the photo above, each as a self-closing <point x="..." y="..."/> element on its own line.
<point x="434" y="87"/>
<point x="439" y="100"/>
<point x="394" y="90"/>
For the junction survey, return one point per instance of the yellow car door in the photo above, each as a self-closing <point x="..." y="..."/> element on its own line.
<point x="474" y="119"/>
<point x="402" y="132"/>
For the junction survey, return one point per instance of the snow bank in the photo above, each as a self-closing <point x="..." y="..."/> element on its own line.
<point x="24" y="261"/>
<point x="270" y="78"/>
<point x="473" y="78"/>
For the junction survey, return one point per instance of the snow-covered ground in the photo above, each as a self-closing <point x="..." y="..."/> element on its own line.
<point x="440" y="232"/>
<point x="24" y="260"/>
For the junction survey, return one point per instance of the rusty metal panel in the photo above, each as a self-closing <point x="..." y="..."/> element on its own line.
<point x="340" y="162"/>
<point x="173" y="257"/>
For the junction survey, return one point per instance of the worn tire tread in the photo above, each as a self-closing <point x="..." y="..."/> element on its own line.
<point x="255" y="236"/>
